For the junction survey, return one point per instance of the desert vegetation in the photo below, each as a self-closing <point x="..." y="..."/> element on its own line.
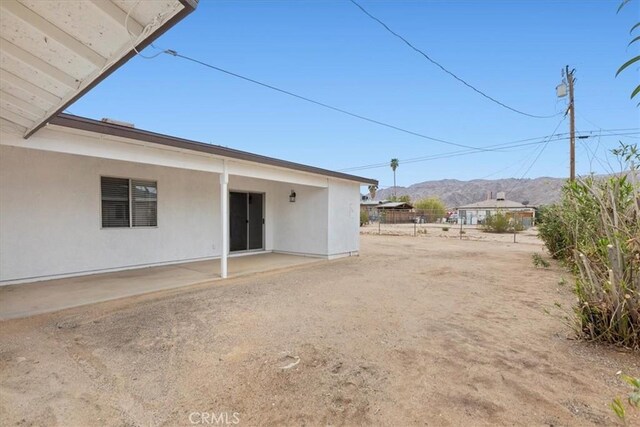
<point x="432" y="208"/>
<point x="364" y="218"/>
<point x="501" y="223"/>
<point x="595" y="231"/>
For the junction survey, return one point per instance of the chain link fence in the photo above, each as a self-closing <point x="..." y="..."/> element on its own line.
<point x="436" y="223"/>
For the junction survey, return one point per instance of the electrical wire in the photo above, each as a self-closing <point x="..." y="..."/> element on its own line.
<point x="603" y="132"/>
<point x="518" y="182"/>
<point x="423" y="159"/>
<point x="472" y="149"/>
<point x="174" y="53"/>
<point x="312" y="101"/>
<point x="518" y="163"/>
<point x="502" y="147"/>
<point x="157" y="20"/>
<point x="447" y="154"/>
<point x="437" y="64"/>
<point x="547" y="139"/>
<point x="592" y="154"/>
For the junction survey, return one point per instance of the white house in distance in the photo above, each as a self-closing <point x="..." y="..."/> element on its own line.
<point x="475" y="213"/>
<point x="81" y="196"/>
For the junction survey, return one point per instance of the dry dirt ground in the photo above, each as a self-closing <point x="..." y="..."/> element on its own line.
<point x="416" y="331"/>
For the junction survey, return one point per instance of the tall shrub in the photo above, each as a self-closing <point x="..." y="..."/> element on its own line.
<point x="501" y="223"/>
<point x="552" y="231"/>
<point x="432" y="208"/>
<point x="600" y="219"/>
<point x="364" y="217"/>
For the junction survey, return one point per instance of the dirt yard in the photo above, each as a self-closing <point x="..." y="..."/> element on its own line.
<point x="421" y="330"/>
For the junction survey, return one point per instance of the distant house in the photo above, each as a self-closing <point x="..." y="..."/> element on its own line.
<point x="476" y="213"/>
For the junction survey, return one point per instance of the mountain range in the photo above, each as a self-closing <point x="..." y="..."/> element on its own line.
<point x="536" y="191"/>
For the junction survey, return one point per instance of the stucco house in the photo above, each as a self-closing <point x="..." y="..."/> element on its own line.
<point x="81" y="196"/>
<point x="476" y="213"/>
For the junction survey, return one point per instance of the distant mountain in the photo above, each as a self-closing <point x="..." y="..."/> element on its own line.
<point x="537" y="191"/>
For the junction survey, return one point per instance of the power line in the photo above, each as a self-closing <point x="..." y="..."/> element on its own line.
<point x="517" y="183"/>
<point x="502" y="146"/>
<point x="606" y="132"/>
<point x="426" y="158"/>
<point x="312" y="101"/>
<point x="592" y="154"/>
<point x="174" y="53"/>
<point x="518" y="163"/>
<point x="447" y="154"/>
<point x="437" y="64"/>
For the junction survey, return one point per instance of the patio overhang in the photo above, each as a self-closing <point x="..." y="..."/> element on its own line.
<point x="51" y="53"/>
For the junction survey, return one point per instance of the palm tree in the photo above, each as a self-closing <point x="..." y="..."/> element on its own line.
<point x="394" y="165"/>
<point x="372" y="191"/>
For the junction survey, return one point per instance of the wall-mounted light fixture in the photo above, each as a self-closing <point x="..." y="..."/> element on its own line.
<point x="292" y="196"/>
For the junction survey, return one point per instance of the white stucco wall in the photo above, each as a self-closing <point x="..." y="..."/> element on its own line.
<point x="50" y="216"/>
<point x="344" y="218"/>
<point x="299" y="227"/>
<point x="50" y="206"/>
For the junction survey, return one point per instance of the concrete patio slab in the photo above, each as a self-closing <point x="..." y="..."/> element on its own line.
<point x="29" y="299"/>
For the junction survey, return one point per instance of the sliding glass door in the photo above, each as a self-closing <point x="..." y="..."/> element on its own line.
<point x="246" y="221"/>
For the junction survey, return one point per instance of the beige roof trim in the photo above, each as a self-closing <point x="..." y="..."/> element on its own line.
<point x="85" y="124"/>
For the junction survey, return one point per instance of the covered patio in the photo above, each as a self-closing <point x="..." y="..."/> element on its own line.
<point x="54" y="295"/>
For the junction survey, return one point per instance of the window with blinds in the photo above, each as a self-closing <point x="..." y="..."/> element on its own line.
<point x="144" y="203"/>
<point x="115" y="202"/>
<point x="129" y="202"/>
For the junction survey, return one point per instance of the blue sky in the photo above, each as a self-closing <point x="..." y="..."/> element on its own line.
<point x="330" y="51"/>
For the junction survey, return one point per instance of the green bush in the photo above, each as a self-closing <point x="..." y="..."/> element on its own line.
<point x="553" y="232"/>
<point x="596" y="230"/>
<point x="431" y="208"/>
<point x="500" y="223"/>
<point x="364" y="218"/>
<point x="633" y="398"/>
<point x="539" y="262"/>
<point x="517" y="225"/>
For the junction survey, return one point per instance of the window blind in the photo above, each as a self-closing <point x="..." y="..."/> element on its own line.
<point x="129" y="202"/>
<point x="115" y="202"/>
<point x="144" y="203"/>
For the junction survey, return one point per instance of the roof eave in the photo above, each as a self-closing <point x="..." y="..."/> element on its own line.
<point x="90" y="125"/>
<point x="188" y="7"/>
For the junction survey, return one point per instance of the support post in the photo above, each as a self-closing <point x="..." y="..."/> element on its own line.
<point x="224" y="219"/>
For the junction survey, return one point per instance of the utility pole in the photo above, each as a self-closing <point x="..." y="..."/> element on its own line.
<point x="568" y="82"/>
<point x="572" y="126"/>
